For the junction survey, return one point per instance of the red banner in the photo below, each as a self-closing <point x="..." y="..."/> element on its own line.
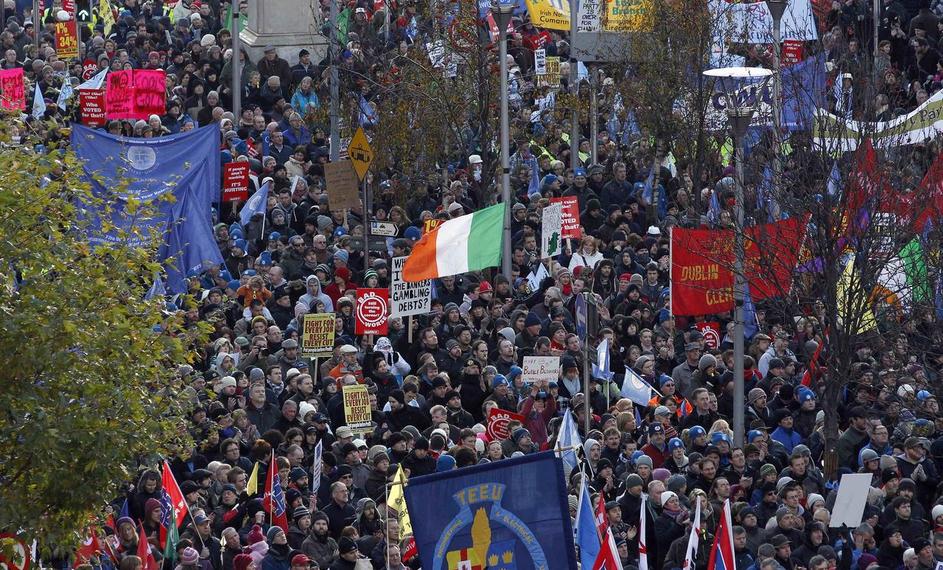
<point x="67" y="40"/>
<point x="711" y="332"/>
<point x="119" y="95"/>
<point x="136" y="94"/>
<point x="792" y="52"/>
<point x="150" y="92"/>
<point x="702" y="265"/>
<point x="235" y="181"/>
<point x="13" y="88"/>
<point x="92" y="107"/>
<point x="89" y="69"/>
<point x="571" y="216"/>
<point x="373" y="311"/>
<point x="498" y="420"/>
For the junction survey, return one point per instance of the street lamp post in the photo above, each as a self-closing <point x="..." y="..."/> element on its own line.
<point x="776" y="9"/>
<point x="502" y="13"/>
<point x="739" y="115"/>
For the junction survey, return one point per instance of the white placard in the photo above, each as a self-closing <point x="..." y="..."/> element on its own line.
<point x="852" y="496"/>
<point x="541" y="369"/>
<point x="540" y="61"/>
<point x="551" y="231"/>
<point x="408" y="298"/>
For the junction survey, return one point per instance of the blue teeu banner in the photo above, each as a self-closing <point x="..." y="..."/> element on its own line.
<point x="509" y="515"/>
<point x="186" y="164"/>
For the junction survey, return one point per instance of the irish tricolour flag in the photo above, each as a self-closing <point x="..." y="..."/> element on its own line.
<point x="467" y="243"/>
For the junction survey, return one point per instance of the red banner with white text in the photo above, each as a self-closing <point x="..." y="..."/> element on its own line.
<point x="702" y="265"/>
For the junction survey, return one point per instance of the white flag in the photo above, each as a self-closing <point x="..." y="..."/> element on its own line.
<point x="96" y="82"/>
<point x="65" y="93"/>
<point x="39" y="104"/>
<point x="642" y="547"/>
<point x="691" y="551"/>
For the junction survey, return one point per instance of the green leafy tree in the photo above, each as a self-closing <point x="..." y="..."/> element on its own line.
<point x="88" y="382"/>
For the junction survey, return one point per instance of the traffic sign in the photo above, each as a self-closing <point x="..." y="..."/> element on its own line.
<point x="385" y="229"/>
<point x="360" y="153"/>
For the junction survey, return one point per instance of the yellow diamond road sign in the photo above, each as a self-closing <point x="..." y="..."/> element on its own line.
<point x="360" y="153"/>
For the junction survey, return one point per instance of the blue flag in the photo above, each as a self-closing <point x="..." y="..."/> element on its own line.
<point x="368" y="117"/>
<point x="834" y="186"/>
<point x="750" y="324"/>
<point x="587" y="537"/>
<point x="635" y="388"/>
<point x="568" y="442"/>
<point x="803" y="92"/>
<point x="185" y="165"/>
<point x="256" y="204"/>
<point x="493" y="516"/>
<point x="601" y="367"/>
<point x="157" y="289"/>
<point x="765" y="200"/>
<point x="189" y="244"/>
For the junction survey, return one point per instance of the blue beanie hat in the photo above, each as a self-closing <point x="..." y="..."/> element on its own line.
<point x="241" y="244"/>
<point x="697" y="431"/>
<point x="531" y="320"/>
<point x="445" y="463"/>
<point x="674" y="443"/>
<point x="412" y="232"/>
<point x="265" y="258"/>
<point x="500" y="380"/>
<point x="234" y="285"/>
<point x="342" y="255"/>
<point x="514" y="372"/>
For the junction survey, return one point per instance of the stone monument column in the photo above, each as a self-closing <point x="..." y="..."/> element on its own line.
<point x="286" y="25"/>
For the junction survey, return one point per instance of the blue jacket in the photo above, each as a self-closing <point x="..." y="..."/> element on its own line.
<point x="789" y="438"/>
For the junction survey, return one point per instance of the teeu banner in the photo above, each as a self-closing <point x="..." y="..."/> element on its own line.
<point x="185" y="164"/>
<point x="235" y="182"/>
<point x="13" y="89"/>
<point x="512" y="514"/>
<point x="373" y="311"/>
<point x="498" y="421"/>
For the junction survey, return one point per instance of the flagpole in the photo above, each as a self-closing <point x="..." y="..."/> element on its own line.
<point x="386" y="501"/>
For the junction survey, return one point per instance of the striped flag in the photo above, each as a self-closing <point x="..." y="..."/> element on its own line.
<point x="608" y="556"/>
<point x="467" y="243"/>
<point x="274" y="501"/>
<point x="722" y="555"/>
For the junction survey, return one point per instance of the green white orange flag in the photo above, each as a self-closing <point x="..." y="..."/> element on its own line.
<point x="463" y="244"/>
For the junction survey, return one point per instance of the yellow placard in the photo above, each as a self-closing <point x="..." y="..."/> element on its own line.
<point x="550" y="14"/>
<point x="628" y="16"/>
<point x="357" y="408"/>
<point x="618" y="15"/>
<point x="317" y="334"/>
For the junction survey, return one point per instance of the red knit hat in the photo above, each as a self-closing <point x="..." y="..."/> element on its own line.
<point x="242" y="561"/>
<point x="255" y="535"/>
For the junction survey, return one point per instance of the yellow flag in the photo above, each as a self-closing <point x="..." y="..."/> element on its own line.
<point x="851" y="297"/>
<point x="397" y="501"/>
<point x="106" y="15"/>
<point x="252" y="487"/>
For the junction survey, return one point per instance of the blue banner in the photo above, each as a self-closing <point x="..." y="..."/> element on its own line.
<point x="508" y="515"/>
<point x="126" y="171"/>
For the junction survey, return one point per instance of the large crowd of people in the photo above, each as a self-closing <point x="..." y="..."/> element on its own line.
<point x="431" y="388"/>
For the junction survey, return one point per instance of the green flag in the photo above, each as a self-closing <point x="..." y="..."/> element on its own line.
<point x="343" y="24"/>
<point x="173" y="537"/>
<point x="915" y="267"/>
